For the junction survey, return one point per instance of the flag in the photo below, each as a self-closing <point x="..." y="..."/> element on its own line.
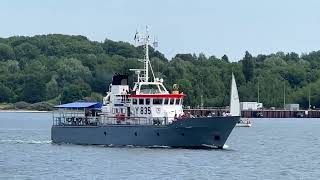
<point x="136" y="36"/>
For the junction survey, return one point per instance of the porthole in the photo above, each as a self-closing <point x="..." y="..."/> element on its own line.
<point x="182" y="134"/>
<point x="105" y="133"/>
<point x="158" y="134"/>
<point x="217" y="138"/>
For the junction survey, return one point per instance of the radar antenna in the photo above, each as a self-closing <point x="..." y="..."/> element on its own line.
<point x="144" y="39"/>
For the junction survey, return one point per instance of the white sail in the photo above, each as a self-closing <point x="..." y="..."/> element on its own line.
<point x="234" y="99"/>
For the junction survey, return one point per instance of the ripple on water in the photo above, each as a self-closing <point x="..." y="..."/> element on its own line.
<point x="270" y="149"/>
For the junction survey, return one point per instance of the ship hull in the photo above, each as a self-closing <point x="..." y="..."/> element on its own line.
<point x="187" y="133"/>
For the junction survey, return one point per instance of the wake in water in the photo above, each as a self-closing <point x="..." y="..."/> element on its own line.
<point x="19" y="141"/>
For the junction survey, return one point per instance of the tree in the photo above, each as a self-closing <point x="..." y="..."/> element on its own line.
<point x="52" y="88"/>
<point x="6" y="95"/>
<point x="74" y="92"/>
<point x="26" y="51"/>
<point x="6" y="52"/>
<point x="225" y="58"/>
<point x="186" y="57"/>
<point x="70" y="70"/>
<point x="248" y="66"/>
<point x="34" y="89"/>
<point x="202" y="57"/>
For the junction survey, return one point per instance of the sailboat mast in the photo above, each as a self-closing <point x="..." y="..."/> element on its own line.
<point x="284" y="95"/>
<point x="309" y="98"/>
<point x="258" y="91"/>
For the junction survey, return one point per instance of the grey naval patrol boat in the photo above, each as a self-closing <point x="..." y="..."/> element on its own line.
<point x="147" y="115"/>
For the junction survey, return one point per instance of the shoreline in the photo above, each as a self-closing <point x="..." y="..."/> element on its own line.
<point x="23" y="111"/>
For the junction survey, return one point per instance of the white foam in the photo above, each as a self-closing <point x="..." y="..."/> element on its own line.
<point x="19" y="141"/>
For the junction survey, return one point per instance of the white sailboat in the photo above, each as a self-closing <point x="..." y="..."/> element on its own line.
<point x="234" y="99"/>
<point x="235" y="105"/>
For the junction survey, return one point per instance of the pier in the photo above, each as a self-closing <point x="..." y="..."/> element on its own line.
<point x="264" y="113"/>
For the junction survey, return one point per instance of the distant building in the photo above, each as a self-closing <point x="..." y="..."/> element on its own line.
<point x="250" y="105"/>
<point x="292" y="107"/>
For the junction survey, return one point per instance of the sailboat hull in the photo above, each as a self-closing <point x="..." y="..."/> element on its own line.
<point x="187" y="133"/>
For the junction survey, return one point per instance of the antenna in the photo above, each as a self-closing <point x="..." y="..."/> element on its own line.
<point x="155" y="43"/>
<point x="144" y="39"/>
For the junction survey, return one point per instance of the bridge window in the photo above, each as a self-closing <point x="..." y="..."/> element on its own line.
<point x="149" y="89"/>
<point x="141" y="101"/>
<point x="171" y="101"/>
<point x="115" y="111"/>
<point x="166" y="101"/>
<point x="157" y="101"/>
<point x="147" y="101"/>
<point x="177" y="101"/>
<point x="134" y="101"/>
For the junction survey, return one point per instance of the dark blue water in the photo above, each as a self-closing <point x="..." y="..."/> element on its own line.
<point x="270" y="149"/>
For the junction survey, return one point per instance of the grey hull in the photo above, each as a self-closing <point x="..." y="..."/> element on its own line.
<point x="188" y="133"/>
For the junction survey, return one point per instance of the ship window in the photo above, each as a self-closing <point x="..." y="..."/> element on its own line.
<point x="134" y="101"/>
<point x="141" y="101"/>
<point x="157" y="101"/>
<point x="147" y="101"/>
<point x="115" y="110"/>
<point x="177" y="101"/>
<point x="123" y="111"/>
<point x="149" y="89"/>
<point x="171" y="101"/>
<point x="181" y="102"/>
<point x="166" y="101"/>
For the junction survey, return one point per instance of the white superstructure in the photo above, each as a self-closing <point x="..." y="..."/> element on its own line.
<point x="147" y="99"/>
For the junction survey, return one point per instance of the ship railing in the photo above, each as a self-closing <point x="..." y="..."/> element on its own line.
<point x="74" y="118"/>
<point x="76" y="121"/>
<point x="79" y="119"/>
<point x="130" y="120"/>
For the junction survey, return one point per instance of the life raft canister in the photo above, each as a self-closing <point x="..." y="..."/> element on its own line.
<point x="120" y="117"/>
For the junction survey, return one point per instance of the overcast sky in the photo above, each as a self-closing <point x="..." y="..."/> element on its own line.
<point x="214" y="27"/>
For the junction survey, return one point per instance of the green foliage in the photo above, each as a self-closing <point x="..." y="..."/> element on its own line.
<point x="5" y="93"/>
<point x="248" y="66"/>
<point x="41" y="106"/>
<point x="75" y="92"/>
<point x="34" y="89"/>
<point x="225" y="58"/>
<point x="21" y="105"/>
<point x="26" y="51"/>
<point x="60" y="68"/>
<point x="6" y="52"/>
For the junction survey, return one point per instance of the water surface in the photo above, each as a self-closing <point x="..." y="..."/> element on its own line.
<point x="270" y="149"/>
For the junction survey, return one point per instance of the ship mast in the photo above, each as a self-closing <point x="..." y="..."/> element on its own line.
<point x="144" y="39"/>
<point x="146" y="59"/>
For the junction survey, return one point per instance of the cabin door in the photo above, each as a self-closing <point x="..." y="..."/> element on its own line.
<point x="128" y="111"/>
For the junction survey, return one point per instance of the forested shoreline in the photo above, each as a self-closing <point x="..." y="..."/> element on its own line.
<point x="52" y="69"/>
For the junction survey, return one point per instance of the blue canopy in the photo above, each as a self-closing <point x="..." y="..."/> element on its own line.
<point x="79" y="105"/>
